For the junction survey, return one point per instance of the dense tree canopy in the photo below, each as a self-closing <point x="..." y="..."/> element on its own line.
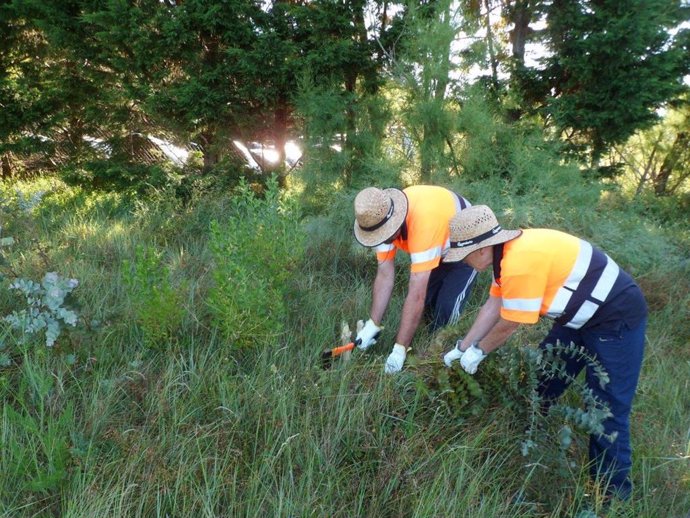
<point x="613" y="64"/>
<point x="345" y="74"/>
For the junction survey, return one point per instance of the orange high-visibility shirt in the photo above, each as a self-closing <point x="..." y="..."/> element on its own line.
<point x="430" y="209"/>
<point x="535" y="266"/>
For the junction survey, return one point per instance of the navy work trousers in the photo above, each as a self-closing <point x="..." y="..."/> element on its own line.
<point x="619" y="350"/>
<point x="450" y="285"/>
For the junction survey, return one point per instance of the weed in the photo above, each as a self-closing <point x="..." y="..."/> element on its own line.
<point x="509" y="379"/>
<point x="155" y="302"/>
<point x="44" y="309"/>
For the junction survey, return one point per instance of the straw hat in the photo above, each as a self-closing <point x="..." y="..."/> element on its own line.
<point x="379" y="213"/>
<point x="474" y="228"/>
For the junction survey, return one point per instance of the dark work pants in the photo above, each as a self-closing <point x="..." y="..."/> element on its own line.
<point x="619" y="350"/>
<point x="450" y="285"/>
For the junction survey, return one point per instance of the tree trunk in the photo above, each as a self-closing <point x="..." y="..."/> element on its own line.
<point x="669" y="163"/>
<point x="5" y="166"/>
<point x="280" y="136"/>
<point x="433" y="130"/>
<point x="352" y="147"/>
<point x="211" y="154"/>
<point x="490" y="46"/>
<point x="520" y="16"/>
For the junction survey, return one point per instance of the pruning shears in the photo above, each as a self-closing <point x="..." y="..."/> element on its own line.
<point x="328" y="355"/>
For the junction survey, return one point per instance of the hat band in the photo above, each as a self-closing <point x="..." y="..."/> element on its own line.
<point x="476" y="240"/>
<point x="382" y="222"/>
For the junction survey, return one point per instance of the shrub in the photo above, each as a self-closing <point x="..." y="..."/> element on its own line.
<point x="509" y="378"/>
<point x="156" y="304"/>
<point x="122" y="176"/>
<point x="255" y="253"/>
<point x="44" y="309"/>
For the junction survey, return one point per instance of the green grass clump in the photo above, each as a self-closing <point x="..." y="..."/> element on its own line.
<point x="156" y="303"/>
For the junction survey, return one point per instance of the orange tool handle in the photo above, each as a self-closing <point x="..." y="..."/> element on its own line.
<point x="343" y="348"/>
<point x="328" y="355"/>
<point x="337" y="351"/>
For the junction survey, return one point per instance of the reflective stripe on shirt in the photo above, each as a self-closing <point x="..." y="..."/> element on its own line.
<point x="579" y="270"/>
<point x="383" y="248"/>
<point x="599" y="293"/>
<point x="522" y="304"/>
<point x="587" y="286"/>
<point x="426" y="255"/>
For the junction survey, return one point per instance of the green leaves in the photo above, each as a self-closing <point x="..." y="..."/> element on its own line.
<point x="613" y="65"/>
<point x="255" y="254"/>
<point x="509" y="378"/>
<point x="155" y="303"/>
<point x="36" y="449"/>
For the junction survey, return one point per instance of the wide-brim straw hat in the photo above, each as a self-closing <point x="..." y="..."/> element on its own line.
<point x="379" y="214"/>
<point x="474" y="228"/>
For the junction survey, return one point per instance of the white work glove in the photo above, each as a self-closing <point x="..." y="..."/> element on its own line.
<point x="471" y="358"/>
<point x="454" y="354"/>
<point x="368" y="335"/>
<point x="395" y="360"/>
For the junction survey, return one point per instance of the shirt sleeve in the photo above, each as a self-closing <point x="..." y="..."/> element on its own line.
<point x="385" y="252"/>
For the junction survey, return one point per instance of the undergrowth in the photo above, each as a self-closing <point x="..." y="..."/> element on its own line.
<point x="255" y="252"/>
<point x="238" y="418"/>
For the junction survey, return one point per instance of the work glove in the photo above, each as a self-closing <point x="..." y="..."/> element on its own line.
<point x="368" y="335"/>
<point x="471" y="358"/>
<point x="395" y="360"/>
<point x="454" y="354"/>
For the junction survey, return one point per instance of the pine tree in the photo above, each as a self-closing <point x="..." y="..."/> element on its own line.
<point x="613" y="64"/>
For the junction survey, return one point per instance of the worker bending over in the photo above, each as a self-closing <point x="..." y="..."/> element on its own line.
<point x="593" y="302"/>
<point x="415" y="220"/>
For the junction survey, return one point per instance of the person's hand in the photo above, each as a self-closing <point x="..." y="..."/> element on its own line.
<point x="454" y="354"/>
<point x="396" y="359"/>
<point x="471" y="358"/>
<point x="368" y="335"/>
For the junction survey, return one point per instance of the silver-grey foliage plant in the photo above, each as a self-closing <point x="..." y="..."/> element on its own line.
<point x="45" y="310"/>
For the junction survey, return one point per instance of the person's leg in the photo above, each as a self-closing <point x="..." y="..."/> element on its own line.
<point x="550" y="386"/>
<point x="432" y="290"/>
<point x="450" y="285"/>
<point x="619" y="351"/>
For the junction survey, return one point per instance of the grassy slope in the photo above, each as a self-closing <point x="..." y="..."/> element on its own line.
<point x="107" y="425"/>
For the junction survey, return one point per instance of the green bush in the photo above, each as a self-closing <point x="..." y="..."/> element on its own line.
<point x="510" y="379"/>
<point x="255" y="252"/>
<point x="155" y="303"/>
<point x="122" y="176"/>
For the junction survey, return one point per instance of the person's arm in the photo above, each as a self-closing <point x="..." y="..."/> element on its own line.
<point x="498" y="335"/>
<point x="413" y="307"/>
<point x="489" y="329"/>
<point x="381" y="293"/>
<point x="488" y="315"/>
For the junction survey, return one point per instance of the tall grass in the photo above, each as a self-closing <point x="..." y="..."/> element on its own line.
<point x="105" y="424"/>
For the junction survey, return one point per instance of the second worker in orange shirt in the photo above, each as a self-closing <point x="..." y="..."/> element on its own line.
<point x="415" y="220"/>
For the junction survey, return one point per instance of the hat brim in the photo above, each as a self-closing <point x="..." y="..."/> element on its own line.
<point x="458" y="254"/>
<point x="390" y="227"/>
